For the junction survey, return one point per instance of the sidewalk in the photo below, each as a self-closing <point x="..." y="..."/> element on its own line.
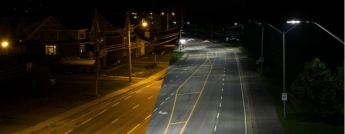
<point x="263" y="113"/>
<point x="68" y="113"/>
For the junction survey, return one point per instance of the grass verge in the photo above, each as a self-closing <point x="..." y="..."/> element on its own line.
<point x="297" y="120"/>
<point x="175" y="56"/>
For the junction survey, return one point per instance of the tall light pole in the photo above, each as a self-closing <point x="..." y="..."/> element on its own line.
<point x="283" y="33"/>
<point x="262" y="45"/>
<point x="128" y="28"/>
<point x="284" y="77"/>
<point x="196" y="31"/>
<point x="211" y="29"/>
<point x="181" y="34"/>
<point x="236" y="24"/>
<point x="297" y="22"/>
<point x="97" y="50"/>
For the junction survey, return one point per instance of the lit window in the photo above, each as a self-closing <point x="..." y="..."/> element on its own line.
<point x="81" y="34"/>
<point x="50" y="50"/>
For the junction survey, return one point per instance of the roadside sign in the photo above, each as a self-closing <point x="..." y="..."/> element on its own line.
<point x="284" y="96"/>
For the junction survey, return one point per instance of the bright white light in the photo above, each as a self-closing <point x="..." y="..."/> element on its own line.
<point x="183" y="41"/>
<point x="294" y="21"/>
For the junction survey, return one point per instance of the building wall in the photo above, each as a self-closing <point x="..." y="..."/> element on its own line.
<point x="35" y="49"/>
<point x="67" y="50"/>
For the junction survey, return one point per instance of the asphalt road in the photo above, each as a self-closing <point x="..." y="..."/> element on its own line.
<point x="202" y="94"/>
<point x="128" y="113"/>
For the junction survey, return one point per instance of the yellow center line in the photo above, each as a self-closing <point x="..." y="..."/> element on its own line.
<point x="203" y="87"/>
<point x="189" y="93"/>
<point x="172" y="111"/>
<point x="177" y="123"/>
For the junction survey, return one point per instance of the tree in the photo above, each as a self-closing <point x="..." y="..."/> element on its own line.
<point x="317" y="89"/>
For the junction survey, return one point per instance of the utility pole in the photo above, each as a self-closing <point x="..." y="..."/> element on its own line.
<point x="95" y="24"/>
<point x="129" y="46"/>
<point x="168" y="21"/>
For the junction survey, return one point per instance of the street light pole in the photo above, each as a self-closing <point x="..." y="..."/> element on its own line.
<point x="97" y="51"/>
<point x="284" y="33"/>
<point x="129" y="28"/>
<point x="129" y="47"/>
<point x="337" y="38"/>
<point x="181" y="35"/>
<point x="262" y="47"/>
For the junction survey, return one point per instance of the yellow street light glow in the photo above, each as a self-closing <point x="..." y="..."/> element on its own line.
<point x="144" y="24"/>
<point x="4" y="44"/>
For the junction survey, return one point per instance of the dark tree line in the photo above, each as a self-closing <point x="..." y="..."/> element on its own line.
<point x="303" y="44"/>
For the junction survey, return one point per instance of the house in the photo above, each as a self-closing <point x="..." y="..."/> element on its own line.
<point x="48" y="39"/>
<point x="113" y="35"/>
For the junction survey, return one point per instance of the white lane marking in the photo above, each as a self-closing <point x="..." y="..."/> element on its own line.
<point x="148" y="117"/>
<point x="164" y="85"/>
<point x="86" y="121"/>
<point x="223" y="83"/>
<point x="218" y="115"/>
<point x="102" y="111"/>
<point x="69" y="131"/>
<point x="127" y="97"/>
<point x="162" y="103"/>
<point x="224" y="71"/>
<point x="167" y="98"/>
<point x="116" y="103"/>
<point x="172" y="93"/>
<point x="185" y="69"/>
<point x="223" y="74"/>
<point x="176" y="75"/>
<point x="115" y="120"/>
<point x="133" y="128"/>
<point x="220" y="104"/>
<point x="170" y="80"/>
<point x="136" y="106"/>
<point x="181" y="72"/>
<point x="222" y="89"/>
<point x="155" y="110"/>
<point x="215" y="128"/>
<point x="221" y="97"/>
<point x="150" y="97"/>
<point x="140" y="90"/>
<point x="223" y="79"/>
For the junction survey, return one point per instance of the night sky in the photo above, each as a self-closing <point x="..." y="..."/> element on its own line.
<point x="329" y="14"/>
